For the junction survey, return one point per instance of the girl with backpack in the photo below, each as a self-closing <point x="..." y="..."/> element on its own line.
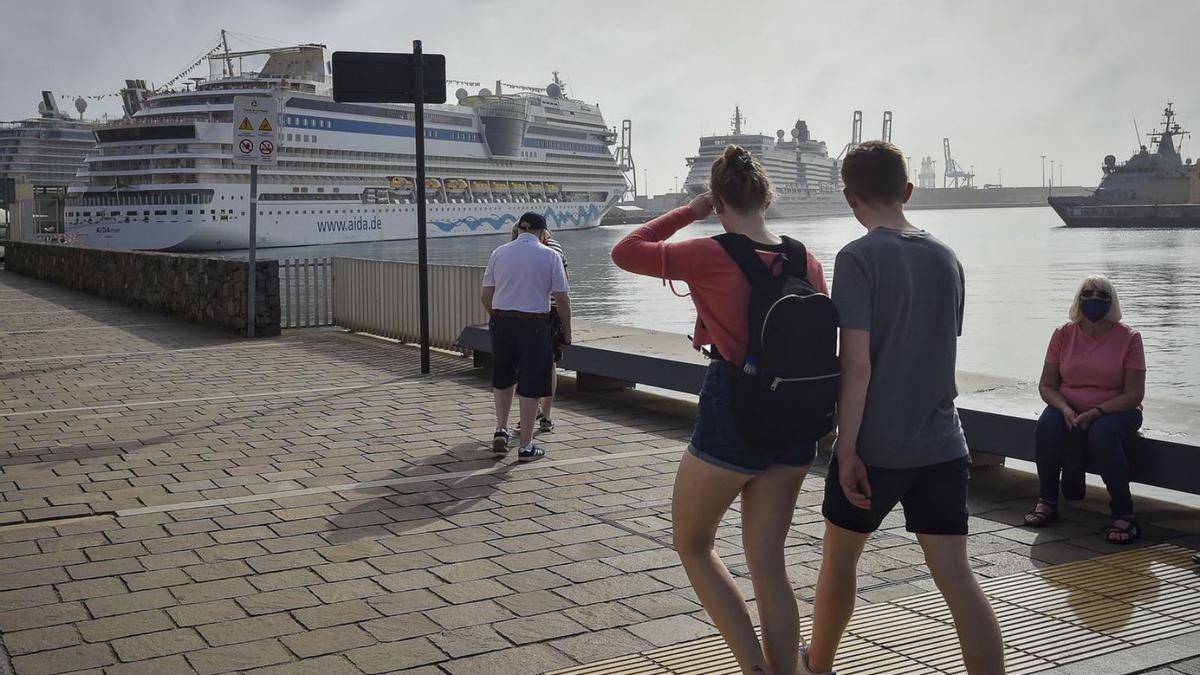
<point x="722" y="463"/>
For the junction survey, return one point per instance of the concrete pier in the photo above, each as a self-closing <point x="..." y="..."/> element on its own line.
<point x="178" y="500"/>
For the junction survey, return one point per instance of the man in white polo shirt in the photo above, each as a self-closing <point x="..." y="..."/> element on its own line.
<point x="520" y="278"/>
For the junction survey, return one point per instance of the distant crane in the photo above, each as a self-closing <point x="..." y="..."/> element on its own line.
<point x="886" y="134"/>
<point x="927" y="178"/>
<point x="953" y="172"/>
<point x="855" y="134"/>
<point x="625" y="158"/>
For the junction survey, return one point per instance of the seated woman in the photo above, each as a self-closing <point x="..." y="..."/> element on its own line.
<point x="1093" y="383"/>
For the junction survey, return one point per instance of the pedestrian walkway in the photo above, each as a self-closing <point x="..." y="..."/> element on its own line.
<point x="176" y="500"/>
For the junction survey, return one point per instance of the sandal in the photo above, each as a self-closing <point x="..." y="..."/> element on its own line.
<point x="1036" y="518"/>
<point x="1132" y="531"/>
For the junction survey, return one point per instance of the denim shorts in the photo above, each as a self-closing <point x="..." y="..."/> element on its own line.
<point x="716" y="439"/>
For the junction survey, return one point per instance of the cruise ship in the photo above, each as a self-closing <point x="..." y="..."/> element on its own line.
<point x="164" y="178"/>
<point x="45" y="151"/>
<point x="800" y="168"/>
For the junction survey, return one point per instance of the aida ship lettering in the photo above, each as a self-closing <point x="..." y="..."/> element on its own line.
<point x="164" y="179"/>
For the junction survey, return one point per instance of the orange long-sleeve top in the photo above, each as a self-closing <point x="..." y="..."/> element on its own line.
<point x="719" y="290"/>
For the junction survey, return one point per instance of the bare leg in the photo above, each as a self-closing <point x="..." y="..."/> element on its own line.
<point x="547" y="402"/>
<point x="504" y="399"/>
<point x="768" y="502"/>
<point x="528" y="413"/>
<point x="703" y="493"/>
<point x="978" y="631"/>
<point x="837" y="584"/>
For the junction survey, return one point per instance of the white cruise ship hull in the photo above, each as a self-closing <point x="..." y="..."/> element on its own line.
<point x="358" y="223"/>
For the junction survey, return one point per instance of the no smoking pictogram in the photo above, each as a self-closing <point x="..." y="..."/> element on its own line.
<point x="246" y="146"/>
<point x="266" y="147"/>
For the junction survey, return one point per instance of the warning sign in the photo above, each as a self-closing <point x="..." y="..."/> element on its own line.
<point x="255" y="139"/>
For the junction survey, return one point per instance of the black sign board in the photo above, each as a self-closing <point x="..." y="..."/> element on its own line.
<point x="380" y="77"/>
<point x="417" y="78"/>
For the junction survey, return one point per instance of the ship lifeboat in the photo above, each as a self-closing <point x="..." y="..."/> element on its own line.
<point x="536" y="187"/>
<point x="400" y="183"/>
<point x="517" y="186"/>
<point x="455" y="185"/>
<point x="552" y="188"/>
<point x="433" y="183"/>
<point x="500" y="185"/>
<point x="480" y="186"/>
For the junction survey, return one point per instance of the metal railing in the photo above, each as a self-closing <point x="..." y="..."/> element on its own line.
<point x="380" y="297"/>
<point x="305" y="292"/>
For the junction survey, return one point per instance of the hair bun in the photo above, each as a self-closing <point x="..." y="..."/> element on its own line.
<point x="738" y="157"/>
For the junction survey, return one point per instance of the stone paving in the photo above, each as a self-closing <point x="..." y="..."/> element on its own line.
<point x="175" y="500"/>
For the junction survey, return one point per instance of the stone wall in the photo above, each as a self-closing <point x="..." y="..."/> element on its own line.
<point x="200" y="289"/>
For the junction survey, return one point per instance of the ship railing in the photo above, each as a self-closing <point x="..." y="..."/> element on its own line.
<point x="305" y="292"/>
<point x="380" y="297"/>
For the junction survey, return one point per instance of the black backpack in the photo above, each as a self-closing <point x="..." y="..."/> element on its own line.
<point x="788" y="389"/>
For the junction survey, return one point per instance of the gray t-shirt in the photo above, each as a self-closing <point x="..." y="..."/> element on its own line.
<point x="906" y="288"/>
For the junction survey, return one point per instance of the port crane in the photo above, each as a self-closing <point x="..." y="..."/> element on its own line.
<point x="953" y="172"/>
<point x="886" y="134"/>
<point x="625" y="159"/>
<point x="927" y="178"/>
<point x="855" y="135"/>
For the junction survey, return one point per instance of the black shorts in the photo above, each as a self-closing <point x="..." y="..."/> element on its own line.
<point x="521" y="355"/>
<point x="934" y="498"/>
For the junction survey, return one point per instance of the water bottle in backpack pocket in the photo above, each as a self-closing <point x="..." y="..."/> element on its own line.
<point x="788" y="389"/>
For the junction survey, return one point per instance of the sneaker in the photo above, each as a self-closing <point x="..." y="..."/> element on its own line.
<point x="545" y="424"/>
<point x="804" y="669"/>
<point x="530" y="453"/>
<point x="500" y="441"/>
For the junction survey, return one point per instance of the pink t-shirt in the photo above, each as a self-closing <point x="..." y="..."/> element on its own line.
<point x="1093" y="368"/>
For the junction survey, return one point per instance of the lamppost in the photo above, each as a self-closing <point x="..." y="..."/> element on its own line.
<point x="646" y="182"/>
<point x="1043" y="171"/>
<point x="676" y="184"/>
<point x="1051" y="192"/>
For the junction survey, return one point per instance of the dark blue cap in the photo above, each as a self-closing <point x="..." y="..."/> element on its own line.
<point x="531" y="221"/>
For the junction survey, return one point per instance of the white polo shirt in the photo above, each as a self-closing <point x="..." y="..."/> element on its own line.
<point x="524" y="274"/>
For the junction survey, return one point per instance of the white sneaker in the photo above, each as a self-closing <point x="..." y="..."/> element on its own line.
<point x="804" y="669"/>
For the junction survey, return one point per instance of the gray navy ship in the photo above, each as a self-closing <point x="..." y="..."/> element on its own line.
<point x="1151" y="189"/>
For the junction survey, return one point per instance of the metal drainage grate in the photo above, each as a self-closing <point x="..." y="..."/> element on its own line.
<point x="1050" y="617"/>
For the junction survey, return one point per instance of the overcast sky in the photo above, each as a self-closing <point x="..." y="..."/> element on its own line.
<point x="1006" y="81"/>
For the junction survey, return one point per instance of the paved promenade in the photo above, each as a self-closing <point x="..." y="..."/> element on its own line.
<point x="173" y="500"/>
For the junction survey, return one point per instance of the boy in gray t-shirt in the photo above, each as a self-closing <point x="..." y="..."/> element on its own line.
<point x="899" y="294"/>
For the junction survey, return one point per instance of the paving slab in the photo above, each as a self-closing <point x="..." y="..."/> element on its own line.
<point x="311" y="503"/>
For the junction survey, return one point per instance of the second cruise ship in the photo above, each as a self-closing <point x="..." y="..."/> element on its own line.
<point x="164" y="177"/>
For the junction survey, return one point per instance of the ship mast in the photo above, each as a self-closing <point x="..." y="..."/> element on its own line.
<point x="737" y="120"/>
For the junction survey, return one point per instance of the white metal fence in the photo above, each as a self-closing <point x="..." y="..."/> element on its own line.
<point x="380" y="297"/>
<point x="305" y="292"/>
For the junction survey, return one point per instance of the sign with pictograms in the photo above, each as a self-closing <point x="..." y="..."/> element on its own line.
<point x="255" y="121"/>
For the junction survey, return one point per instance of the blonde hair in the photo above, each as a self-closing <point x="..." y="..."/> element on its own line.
<point x="1097" y="282"/>
<point x="739" y="181"/>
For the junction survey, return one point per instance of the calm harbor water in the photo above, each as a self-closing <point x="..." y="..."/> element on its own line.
<point x="1022" y="269"/>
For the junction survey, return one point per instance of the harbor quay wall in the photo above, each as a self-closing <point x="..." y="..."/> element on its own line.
<point x="202" y="290"/>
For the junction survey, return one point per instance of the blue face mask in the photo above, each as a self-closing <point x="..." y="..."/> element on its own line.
<point x="1095" y="309"/>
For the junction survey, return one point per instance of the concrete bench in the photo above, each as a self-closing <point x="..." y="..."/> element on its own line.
<point x="999" y="415"/>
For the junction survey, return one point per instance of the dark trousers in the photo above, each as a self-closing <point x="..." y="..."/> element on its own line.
<point x="1105" y="438"/>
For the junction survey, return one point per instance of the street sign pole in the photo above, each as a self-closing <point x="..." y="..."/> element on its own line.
<point x="422" y="252"/>
<point x="251" y="275"/>
<point x="255" y="142"/>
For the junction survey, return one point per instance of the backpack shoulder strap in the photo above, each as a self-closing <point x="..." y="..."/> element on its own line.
<point x="741" y="249"/>
<point x="797" y="257"/>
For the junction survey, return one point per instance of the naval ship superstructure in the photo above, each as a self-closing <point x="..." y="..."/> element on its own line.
<point x="164" y="178"/>
<point x="800" y="168"/>
<point x="1151" y="189"/>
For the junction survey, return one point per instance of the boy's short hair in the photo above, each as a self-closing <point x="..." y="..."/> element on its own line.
<point x="876" y="172"/>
